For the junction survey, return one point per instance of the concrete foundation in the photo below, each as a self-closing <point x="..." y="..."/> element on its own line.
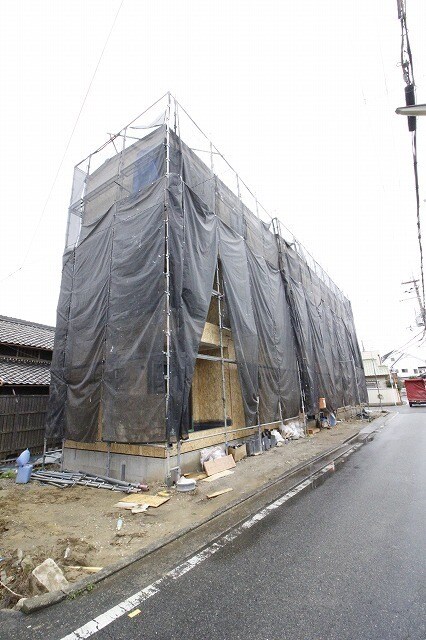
<point x="129" y="467"/>
<point x="150" y="468"/>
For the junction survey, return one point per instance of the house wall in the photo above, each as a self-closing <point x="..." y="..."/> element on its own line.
<point x="389" y="396"/>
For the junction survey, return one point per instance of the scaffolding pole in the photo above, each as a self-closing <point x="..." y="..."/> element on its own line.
<point x="222" y="358"/>
<point x="108" y="464"/>
<point x="259" y="426"/>
<point x="44" y="452"/>
<point x="302" y="397"/>
<point x="167" y="277"/>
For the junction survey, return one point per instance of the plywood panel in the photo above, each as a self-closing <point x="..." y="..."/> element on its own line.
<point x="220" y="464"/>
<point x="210" y="334"/>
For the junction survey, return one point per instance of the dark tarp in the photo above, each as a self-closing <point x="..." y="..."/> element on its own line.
<point x="278" y="381"/>
<point x="133" y="394"/>
<point x="108" y="367"/>
<point x="236" y="282"/>
<point x="85" y="342"/>
<point x="193" y="259"/>
<point x="55" y="418"/>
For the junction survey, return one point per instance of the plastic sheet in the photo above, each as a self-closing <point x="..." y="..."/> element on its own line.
<point x="232" y="252"/>
<point x="193" y="259"/>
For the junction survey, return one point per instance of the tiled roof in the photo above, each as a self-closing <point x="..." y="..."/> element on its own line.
<point x="29" y="334"/>
<point x="20" y="371"/>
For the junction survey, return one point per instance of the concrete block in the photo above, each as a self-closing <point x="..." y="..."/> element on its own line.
<point x="49" y="576"/>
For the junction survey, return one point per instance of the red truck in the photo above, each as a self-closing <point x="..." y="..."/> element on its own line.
<point x="416" y="391"/>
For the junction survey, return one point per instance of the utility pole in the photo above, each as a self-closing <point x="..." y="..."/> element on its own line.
<point x="415" y="284"/>
<point x="379" y="395"/>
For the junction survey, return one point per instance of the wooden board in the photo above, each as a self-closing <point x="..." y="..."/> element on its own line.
<point x="219" y="493"/>
<point x="125" y="505"/>
<point x="216" y="476"/>
<point x="143" y="498"/>
<point x="221" y="464"/>
<point x="148" y="450"/>
<point x="195" y="475"/>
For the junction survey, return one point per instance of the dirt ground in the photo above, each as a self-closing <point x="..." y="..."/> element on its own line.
<point x="77" y="526"/>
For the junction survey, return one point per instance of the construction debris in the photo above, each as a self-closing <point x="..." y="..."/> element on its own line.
<point x="219" y="493"/>
<point x="140" y="508"/>
<point x="238" y="451"/>
<point x="220" y="464"/>
<point x="49" y="576"/>
<point x="152" y="501"/>
<point x="216" y="476"/>
<point x="196" y="475"/>
<point x="62" y="479"/>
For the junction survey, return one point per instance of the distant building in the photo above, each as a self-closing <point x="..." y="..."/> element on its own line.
<point x="25" y="356"/>
<point x="407" y="366"/>
<point x="381" y="387"/>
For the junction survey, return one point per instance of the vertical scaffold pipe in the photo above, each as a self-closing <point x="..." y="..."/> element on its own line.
<point x="44" y="453"/>
<point x="222" y="363"/>
<point x="259" y="428"/>
<point x="62" y="454"/>
<point x="302" y="398"/>
<point x="167" y="280"/>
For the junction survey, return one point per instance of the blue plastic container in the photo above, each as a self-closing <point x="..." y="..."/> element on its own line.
<point x="24" y="474"/>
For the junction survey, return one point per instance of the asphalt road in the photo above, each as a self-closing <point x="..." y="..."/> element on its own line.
<point x="346" y="561"/>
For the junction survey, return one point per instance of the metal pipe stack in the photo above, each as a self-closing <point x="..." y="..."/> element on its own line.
<point x="62" y="479"/>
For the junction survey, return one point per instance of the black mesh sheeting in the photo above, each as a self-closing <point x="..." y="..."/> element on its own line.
<point x="86" y="335"/>
<point x="193" y="258"/>
<point x="134" y="391"/>
<point x="236" y="282"/>
<point x="278" y="380"/>
<point x="109" y="364"/>
<point x="110" y="334"/>
<point x="55" y="418"/>
<point x="302" y="329"/>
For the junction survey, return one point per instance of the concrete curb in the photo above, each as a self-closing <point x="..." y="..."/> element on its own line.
<point x="30" y="605"/>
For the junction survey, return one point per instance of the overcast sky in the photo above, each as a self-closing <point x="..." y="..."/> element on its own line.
<point x="299" y="96"/>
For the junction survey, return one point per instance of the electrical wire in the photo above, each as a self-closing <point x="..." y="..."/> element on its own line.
<point x="399" y="349"/>
<point x="43" y="211"/>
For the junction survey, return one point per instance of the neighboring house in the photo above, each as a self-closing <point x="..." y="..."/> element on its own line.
<point x="378" y="380"/>
<point x="406" y="365"/>
<point x="25" y="356"/>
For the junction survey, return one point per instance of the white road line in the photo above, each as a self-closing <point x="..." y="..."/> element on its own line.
<point x="102" y="621"/>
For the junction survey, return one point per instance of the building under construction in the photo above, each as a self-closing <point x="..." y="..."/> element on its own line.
<point x="186" y="316"/>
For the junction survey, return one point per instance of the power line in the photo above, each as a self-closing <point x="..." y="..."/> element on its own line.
<point x="43" y="211"/>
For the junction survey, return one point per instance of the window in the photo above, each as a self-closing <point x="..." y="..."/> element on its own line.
<point x="415" y="370"/>
<point x="404" y="370"/>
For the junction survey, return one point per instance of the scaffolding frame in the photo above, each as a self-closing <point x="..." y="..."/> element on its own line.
<point x="280" y="232"/>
